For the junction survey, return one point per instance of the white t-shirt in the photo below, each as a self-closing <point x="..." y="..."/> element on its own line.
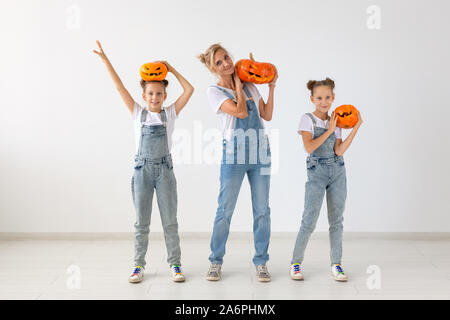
<point x="306" y="124"/>
<point x="153" y="119"/>
<point x="216" y="97"/>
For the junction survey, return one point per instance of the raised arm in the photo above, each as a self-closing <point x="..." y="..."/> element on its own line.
<point x="188" y="89"/>
<point x="266" y="109"/>
<point x="126" y="97"/>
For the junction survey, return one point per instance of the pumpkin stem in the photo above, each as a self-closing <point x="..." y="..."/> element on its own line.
<point x="251" y="57"/>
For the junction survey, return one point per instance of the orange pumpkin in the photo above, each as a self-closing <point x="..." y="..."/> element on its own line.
<point x="347" y="116"/>
<point x="249" y="70"/>
<point x="153" y="71"/>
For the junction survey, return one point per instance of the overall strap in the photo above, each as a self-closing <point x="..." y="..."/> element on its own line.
<point x="229" y="95"/>
<point x="162" y="114"/>
<point x="312" y="118"/>
<point x="247" y="91"/>
<point x="314" y="123"/>
<point x="163" y="117"/>
<point x="143" y="116"/>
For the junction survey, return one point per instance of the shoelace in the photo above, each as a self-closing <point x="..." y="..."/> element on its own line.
<point x="214" y="268"/>
<point x="296" y="268"/>
<point x="263" y="269"/>
<point x="339" y="269"/>
<point x="176" y="269"/>
<point x="137" y="270"/>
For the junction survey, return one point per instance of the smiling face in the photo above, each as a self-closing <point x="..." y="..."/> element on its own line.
<point x="154" y="95"/>
<point x="223" y="65"/>
<point x="322" y="98"/>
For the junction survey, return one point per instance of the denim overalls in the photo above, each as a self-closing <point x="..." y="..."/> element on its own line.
<point x="326" y="172"/>
<point x="154" y="170"/>
<point x="248" y="152"/>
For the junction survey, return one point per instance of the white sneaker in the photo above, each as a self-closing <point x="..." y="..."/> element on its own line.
<point x="137" y="275"/>
<point x="295" y="272"/>
<point x="262" y="273"/>
<point x="338" y="273"/>
<point x="214" y="272"/>
<point x="177" y="273"/>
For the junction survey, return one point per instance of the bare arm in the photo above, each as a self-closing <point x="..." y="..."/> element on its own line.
<point x="239" y="108"/>
<point x="312" y="144"/>
<point x="126" y="97"/>
<point x="341" y="146"/>
<point x="188" y="89"/>
<point x="266" y="109"/>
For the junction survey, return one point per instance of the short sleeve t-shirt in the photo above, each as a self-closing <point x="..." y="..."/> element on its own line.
<point x="306" y="124"/>
<point x="153" y="119"/>
<point x="216" y="97"/>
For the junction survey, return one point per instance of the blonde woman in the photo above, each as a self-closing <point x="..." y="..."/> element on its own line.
<point x="246" y="151"/>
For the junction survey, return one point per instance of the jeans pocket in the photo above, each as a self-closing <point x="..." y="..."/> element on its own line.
<point x="169" y="163"/>
<point x="139" y="163"/>
<point x="310" y="165"/>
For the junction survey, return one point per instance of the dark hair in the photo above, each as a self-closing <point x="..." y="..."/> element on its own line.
<point x="164" y="82"/>
<point x="314" y="84"/>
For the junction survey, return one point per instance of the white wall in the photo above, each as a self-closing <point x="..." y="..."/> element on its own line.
<point x="67" y="141"/>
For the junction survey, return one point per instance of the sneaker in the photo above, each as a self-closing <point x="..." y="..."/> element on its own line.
<point x="137" y="275"/>
<point x="177" y="273"/>
<point x="262" y="273"/>
<point x="296" y="272"/>
<point x="214" y="272"/>
<point x="338" y="273"/>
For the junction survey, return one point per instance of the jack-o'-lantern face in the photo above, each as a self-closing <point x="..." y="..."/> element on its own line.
<point x="249" y="70"/>
<point x="347" y="116"/>
<point x="153" y="71"/>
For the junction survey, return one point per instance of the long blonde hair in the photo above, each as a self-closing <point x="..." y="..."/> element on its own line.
<point x="207" y="58"/>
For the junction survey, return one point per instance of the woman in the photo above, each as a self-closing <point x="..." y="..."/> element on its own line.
<point x="246" y="150"/>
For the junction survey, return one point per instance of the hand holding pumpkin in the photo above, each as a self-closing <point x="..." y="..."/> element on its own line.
<point x="275" y="78"/>
<point x="333" y="122"/>
<point x="237" y="81"/>
<point x="360" y="121"/>
<point x="168" y="66"/>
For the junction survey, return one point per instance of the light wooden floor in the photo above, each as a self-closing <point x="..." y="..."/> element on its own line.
<point x="412" y="266"/>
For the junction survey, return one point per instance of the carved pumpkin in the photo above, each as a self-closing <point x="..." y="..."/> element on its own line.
<point x="153" y="71"/>
<point x="347" y="116"/>
<point x="249" y="70"/>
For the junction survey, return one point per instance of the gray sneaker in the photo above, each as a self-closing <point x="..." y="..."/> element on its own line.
<point x="262" y="273"/>
<point x="214" y="272"/>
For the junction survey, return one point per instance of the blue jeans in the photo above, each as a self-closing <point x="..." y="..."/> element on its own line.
<point x="149" y="176"/>
<point x="231" y="176"/>
<point x="324" y="175"/>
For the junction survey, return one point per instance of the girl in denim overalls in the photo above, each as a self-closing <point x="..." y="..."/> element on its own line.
<point x="326" y="174"/>
<point x="153" y="170"/>
<point x="246" y="151"/>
